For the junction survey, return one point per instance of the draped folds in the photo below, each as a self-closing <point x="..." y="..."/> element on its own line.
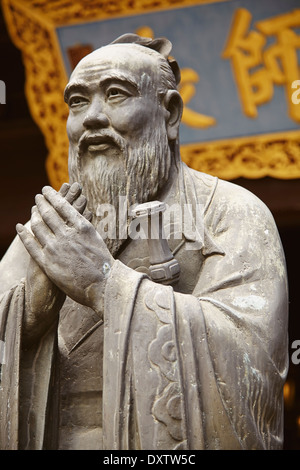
<point x="200" y="365"/>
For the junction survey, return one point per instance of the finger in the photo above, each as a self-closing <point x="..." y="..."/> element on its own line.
<point x="61" y="206"/>
<point x="40" y="230"/>
<point x="80" y="204"/>
<point x="64" y="189"/>
<point x="88" y="215"/>
<point x="31" y="244"/>
<point x="73" y="193"/>
<point x="49" y="215"/>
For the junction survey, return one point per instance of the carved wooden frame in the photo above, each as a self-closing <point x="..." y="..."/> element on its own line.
<point x="32" y="25"/>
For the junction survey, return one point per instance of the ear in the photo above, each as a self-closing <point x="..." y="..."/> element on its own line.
<point x="174" y="105"/>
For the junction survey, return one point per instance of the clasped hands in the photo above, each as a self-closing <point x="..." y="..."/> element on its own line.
<point x="66" y="246"/>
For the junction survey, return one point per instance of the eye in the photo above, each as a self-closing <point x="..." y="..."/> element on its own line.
<point x="113" y="92"/>
<point x="116" y="93"/>
<point x="76" y="100"/>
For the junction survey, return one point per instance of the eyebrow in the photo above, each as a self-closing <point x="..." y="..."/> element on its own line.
<point x="74" y="86"/>
<point x="119" y="77"/>
<point x="81" y="87"/>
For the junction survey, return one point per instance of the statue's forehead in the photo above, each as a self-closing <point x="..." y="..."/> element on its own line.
<point x="131" y="59"/>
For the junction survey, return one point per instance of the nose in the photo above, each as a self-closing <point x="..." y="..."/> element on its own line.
<point x="95" y="117"/>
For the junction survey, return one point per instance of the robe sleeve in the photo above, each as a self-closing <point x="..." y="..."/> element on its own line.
<point x="26" y="381"/>
<point x="11" y="308"/>
<point x="244" y="300"/>
<point x="202" y="371"/>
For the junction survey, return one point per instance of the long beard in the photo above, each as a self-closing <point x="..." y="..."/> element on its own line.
<point x="135" y="176"/>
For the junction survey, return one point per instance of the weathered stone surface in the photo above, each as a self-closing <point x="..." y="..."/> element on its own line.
<point x="105" y="346"/>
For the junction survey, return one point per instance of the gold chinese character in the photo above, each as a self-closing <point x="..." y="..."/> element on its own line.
<point x="257" y="70"/>
<point x="187" y="90"/>
<point x="281" y="58"/>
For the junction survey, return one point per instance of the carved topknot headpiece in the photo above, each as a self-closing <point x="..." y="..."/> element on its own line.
<point x="161" y="45"/>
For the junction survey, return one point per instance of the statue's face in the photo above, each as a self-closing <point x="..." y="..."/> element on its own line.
<point x="117" y="128"/>
<point x="113" y="90"/>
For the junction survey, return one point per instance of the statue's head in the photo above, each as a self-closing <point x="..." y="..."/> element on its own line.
<point x="124" y="117"/>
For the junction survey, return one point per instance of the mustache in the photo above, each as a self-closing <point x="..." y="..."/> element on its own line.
<point x="103" y="136"/>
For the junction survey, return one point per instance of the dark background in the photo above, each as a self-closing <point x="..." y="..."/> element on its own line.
<point x="23" y="174"/>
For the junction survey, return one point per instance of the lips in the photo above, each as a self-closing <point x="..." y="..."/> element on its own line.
<point x="98" y="147"/>
<point x="96" y="143"/>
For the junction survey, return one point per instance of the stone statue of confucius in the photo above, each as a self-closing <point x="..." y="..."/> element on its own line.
<point x="107" y="344"/>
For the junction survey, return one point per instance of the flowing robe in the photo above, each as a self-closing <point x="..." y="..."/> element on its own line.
<point x="200" y="365"/>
